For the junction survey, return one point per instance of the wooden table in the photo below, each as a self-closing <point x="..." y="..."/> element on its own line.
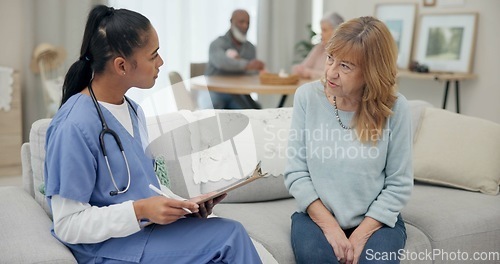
<point x="446" y="77"/>
<point x="243" y="84"/>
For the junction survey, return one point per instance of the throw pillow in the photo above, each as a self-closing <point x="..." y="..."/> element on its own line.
<point x="198" y="161"/>
<point x="266" y="141"/>
<point x="458" y="151"/>
<point x="417" y="108"/>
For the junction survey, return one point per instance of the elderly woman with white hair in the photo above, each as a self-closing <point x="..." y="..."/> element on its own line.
<point x="312" y="67"/>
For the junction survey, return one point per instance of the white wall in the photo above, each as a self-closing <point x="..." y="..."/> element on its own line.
<point x="477" y="97"/>
<point x="25" y="24"/>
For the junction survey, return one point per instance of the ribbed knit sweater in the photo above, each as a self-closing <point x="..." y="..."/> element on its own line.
<point x="352" y="179"/>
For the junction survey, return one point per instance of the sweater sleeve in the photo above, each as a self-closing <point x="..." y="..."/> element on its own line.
<point x="297" y="177"/>
<point x="218" y="57"/>
<point x="398" y="170"/>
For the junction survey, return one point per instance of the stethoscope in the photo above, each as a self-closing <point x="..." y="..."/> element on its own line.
<point x="106" y="130"/>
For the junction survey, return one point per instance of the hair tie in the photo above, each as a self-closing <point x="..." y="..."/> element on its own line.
<point x="111" y="11"/>
<point x="84" y="58"/>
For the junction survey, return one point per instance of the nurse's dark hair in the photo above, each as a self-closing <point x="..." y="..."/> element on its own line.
<point x="108" y="33"/>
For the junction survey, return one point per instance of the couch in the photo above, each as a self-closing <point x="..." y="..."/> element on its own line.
<point x="448" y="217"/>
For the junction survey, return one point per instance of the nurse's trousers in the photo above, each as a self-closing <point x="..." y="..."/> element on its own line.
<point x="196" y="240"/>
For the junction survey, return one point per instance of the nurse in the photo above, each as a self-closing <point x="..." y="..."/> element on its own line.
<point x="103" y="209"/>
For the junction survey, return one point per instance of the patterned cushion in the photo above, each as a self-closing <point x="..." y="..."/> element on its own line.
<point x="37" y="148"/>
<point x="264" y="139"/>
<point x="209" y="149"/>
<point x="25" y="231"/>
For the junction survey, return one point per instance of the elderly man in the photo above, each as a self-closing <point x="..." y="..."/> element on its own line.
<point x="232" y="54"/>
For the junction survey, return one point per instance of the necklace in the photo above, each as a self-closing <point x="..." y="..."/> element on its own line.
<point x="337" y="114"/>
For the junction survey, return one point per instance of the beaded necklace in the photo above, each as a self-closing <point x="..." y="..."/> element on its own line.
<point x="337" y="115"/>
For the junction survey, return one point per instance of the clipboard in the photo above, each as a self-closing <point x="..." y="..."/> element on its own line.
<point x="255" y="175"/>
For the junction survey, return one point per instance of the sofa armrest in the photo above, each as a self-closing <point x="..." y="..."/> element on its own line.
<point x="27" y="169"/>
<point x="25" y="231"/>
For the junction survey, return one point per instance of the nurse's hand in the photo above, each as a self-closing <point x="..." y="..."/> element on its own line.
<point x="206" y="208"/>
<point x="162" y="210"/>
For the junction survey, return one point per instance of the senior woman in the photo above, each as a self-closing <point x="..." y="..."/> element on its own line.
<point x="349" y="154"/>
<point x="313" y="66"/>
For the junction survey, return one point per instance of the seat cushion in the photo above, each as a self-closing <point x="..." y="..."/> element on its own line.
<point x="204" y="152"/>
<point x="416" y="243"/>
<point x="25" y="232"/>
<point x="455" y="219"/>
<point x="269" y="223"/>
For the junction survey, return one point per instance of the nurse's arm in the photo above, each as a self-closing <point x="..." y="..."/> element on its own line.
<point x="162" y="210"/>
<point x="76" y="222"/>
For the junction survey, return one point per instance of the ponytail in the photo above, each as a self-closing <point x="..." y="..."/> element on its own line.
<point x="77" y="78"/>
<point x="108" y="33"/>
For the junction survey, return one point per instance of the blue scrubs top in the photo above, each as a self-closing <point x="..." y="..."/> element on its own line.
<point x="75" y="169"/>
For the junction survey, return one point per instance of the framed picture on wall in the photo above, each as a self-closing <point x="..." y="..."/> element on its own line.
<point x="446" y="42"/>
<point x="400" y="19"/>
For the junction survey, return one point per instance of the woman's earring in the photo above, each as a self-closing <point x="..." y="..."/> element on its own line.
<point x="123" y="73"/>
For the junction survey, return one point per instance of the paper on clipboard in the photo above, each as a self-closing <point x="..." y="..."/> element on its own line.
<point x="256" y="174"/>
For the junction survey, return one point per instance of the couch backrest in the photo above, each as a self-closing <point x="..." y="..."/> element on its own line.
<point x="203" y="150"/>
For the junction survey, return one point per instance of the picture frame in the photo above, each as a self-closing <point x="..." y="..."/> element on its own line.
<point x="400" y="19"/>
<point x="446" y="42"/>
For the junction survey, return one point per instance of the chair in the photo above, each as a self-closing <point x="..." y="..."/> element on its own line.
<point x="47" y="61"/>
<point x="198" y="68"/>
<point x="182" y="96"/>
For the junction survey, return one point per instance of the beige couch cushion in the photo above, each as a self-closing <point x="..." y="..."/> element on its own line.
<point x="458" y="151"/>
<point x="455" y="220"/>
<point x="25" y="231"/>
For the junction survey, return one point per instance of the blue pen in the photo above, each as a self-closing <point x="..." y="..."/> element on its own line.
<point x="158" y="191"/>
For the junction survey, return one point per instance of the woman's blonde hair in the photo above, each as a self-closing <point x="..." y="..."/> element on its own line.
<point x="367" y="42"/>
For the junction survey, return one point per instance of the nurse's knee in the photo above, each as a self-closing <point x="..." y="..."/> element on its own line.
<point x="232" y="224"/>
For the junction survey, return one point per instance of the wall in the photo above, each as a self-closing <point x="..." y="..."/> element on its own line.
<point x="12" y="52"/>
<point x="477" y="97"/>
<point x="25" y="24"/>
<point x="29" y="23"/>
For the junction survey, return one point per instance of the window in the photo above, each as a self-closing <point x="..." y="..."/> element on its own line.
<point x="185" y="30"/>
<point x="317" y="15"/>
<point x="186" y="27"/>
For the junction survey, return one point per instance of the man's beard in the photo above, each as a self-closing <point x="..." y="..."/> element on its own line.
<point x="238" y="35"/>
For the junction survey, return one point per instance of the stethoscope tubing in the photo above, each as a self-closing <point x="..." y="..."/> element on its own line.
<point x="106" y="130"/>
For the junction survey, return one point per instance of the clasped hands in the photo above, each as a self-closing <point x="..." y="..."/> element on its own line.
<point x="347" y="250"/>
